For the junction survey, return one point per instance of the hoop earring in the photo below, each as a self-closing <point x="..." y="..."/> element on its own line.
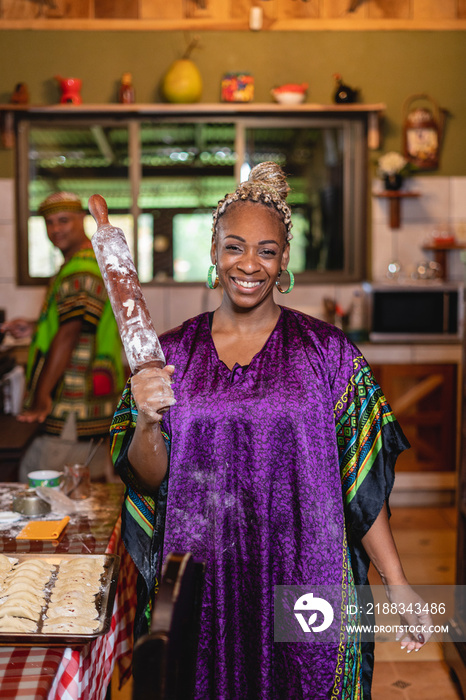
<point x="210" y="283"/>
<point x="290" y="286"/>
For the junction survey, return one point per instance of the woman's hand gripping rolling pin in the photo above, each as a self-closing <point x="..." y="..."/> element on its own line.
<point x="153" y="395"/>
<point x="152" y="392"/>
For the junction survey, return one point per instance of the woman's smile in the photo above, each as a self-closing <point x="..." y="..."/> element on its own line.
<point x="246" y="284"/>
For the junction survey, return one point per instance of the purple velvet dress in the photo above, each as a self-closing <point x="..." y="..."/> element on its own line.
<point x="276" y="472"/>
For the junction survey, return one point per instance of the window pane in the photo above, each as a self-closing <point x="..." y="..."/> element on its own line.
<point x="44" y="258"/>
<point x="300" y="232"/>
<point x="192" y="236"/>
<point x="85" y="159"/>
<point x="145" y="247"/>
<point x="313" y="159"/>
<point x="186" y="169"/>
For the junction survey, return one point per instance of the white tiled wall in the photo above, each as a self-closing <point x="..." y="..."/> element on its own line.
<point x="441" y="203"/>
<point x="17" y="301"/>
<point x="442" y="200"/>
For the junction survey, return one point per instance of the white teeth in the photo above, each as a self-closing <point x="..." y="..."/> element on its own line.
<point x="248" y="285"/>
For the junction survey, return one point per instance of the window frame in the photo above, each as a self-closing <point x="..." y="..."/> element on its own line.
<point x="354" y="124"/>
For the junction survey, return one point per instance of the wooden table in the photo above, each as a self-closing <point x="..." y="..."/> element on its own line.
<point x="82" y="673"/>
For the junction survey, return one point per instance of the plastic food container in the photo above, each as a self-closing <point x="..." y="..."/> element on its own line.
<point x="237" y="87"/>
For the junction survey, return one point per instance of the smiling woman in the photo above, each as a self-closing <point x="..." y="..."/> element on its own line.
<point x="250" y="249"/>
<point x="272" y="465"/>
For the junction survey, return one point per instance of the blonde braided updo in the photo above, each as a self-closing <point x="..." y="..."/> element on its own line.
<point x="266" y="184"/>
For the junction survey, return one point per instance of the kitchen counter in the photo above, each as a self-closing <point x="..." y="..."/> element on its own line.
<point x="88" y="531"/>
<point x="73" y="672"/>
<point x="412" y="353"/>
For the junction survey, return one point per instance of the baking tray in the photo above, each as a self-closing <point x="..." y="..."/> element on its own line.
<point x="104" y="603"/>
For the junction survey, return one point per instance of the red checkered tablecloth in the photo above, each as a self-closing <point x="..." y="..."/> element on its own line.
<point x="37" y="673"/>
<point x="28" y="672"/>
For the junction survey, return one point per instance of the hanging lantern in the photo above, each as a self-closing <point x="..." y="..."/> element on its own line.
<point x="422" y="133"/>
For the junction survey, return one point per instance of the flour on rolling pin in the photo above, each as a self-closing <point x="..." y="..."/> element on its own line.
<point x="140" y="341"/>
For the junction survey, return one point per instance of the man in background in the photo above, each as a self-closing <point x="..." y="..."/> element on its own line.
<point x="74" y="372"/>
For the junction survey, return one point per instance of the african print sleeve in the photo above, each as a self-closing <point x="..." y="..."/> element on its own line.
<point x="81" y="296"/>
<point x="369" y="441"/>
<point x="142" y="516"/>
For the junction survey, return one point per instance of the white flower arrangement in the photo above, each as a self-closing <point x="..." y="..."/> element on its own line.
<point x="392" y="163"/>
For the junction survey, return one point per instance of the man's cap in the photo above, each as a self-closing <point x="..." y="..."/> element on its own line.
<point x="60" y="201"/>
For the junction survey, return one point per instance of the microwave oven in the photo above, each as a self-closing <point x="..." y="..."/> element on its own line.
<point x="416" y="313"/>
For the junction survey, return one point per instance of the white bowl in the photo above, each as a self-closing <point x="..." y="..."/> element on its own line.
<point x="289" y="98"/>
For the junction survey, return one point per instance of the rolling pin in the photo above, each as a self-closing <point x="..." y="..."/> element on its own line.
<point x="137" y="332"/>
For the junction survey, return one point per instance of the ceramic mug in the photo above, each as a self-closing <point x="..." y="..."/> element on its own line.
<point x="45" y="477"/>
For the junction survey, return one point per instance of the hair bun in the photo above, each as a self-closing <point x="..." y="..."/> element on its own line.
<point x="272" y="176"/>
<point x="267" y="185"/>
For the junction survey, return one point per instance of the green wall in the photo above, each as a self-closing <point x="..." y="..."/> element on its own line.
<point x="386" y="67"/>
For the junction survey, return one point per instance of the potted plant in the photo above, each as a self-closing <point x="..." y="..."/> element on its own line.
<point x="392" y="168"/>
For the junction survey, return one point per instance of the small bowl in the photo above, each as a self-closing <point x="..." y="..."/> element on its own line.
<point x="288" y="98"/>
<point x="29" y="503"/>
<point x="45" y="477"/>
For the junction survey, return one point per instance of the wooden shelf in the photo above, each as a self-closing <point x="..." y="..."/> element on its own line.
<point x="439" y="247"/>
<point x="219" y="15"/>
<point x="440" y="251"/>
<point x="195" y="108"/>
<point x="345" y="21"/>
<point x="395" y="197"/>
